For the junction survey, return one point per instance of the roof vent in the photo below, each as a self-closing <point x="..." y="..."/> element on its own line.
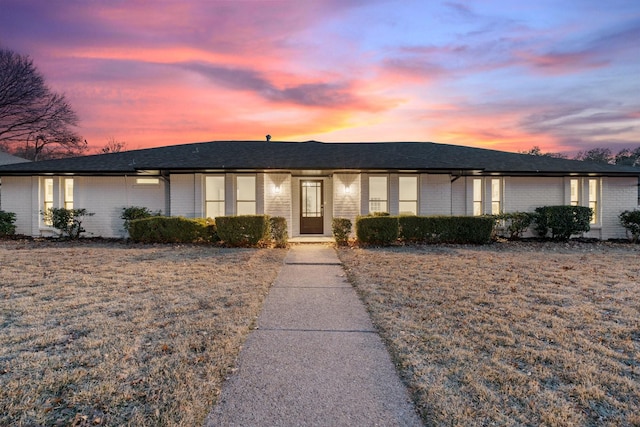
<point x="268" y="138"/>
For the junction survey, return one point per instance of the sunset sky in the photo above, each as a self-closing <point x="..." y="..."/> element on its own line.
<point x="502" y="74"/>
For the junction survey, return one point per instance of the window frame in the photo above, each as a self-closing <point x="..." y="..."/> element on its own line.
<point x="386" y="195"/>
<point x="48" y="198"/>
<point x="593" y="198"/>
<point x="574" y="192"/>
<point x="243" y="201"/>
<point x="476" y="197"/>
<point x="496" y="196"/>
<point x="414" y="200"/>
<point x="68" y="187"/>
<point x="221" y="203"/>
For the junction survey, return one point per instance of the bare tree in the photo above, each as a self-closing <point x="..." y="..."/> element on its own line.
<point x="536" y="151"/>
<point x="628" y="157"/>
<point x="598" y="155"/>
<point x="35" y="122"/>
<point x="114" y="146"/>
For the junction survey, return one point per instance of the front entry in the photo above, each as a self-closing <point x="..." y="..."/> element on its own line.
<point x="311" y="207"/>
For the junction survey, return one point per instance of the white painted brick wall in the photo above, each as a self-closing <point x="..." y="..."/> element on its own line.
<point x="346" y="205"/>
<point x="617" y="195"/>
<point x="435" y="197"/>
<point x="278" y="203"/>
<point x="524" y="194"/>
<point x="107" y="196"/>
<point x="17" y="198"/>
<point x="183" y="201"/>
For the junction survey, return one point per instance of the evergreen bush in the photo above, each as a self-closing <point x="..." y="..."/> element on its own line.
<point x="68" y="222"/>
<point x="136" y="212"/>
<point x="243" y="230"/>
<point x="516" y="223"/>
<point x="563" y="221"/>
<point x="278" y="229"/>
<point x="341" y="228"/>
<point x="630" y="220"/>
<point x="7" y="223"/>
<point x="447" y="229"/>
<point x="172" y="229"/>
<point x="377" y="230"/>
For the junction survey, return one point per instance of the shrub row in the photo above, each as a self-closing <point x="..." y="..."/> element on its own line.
<point x="384" y="230"/>
<point x="172" y="229"/>
<point x="235" y="231"/>
<point x="446" y="229"/>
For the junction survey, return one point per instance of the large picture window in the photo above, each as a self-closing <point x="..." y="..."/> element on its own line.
<point x="214" y="196"/>
<point x="378" y="198"/>
<point x="246" y="195"/>
<point x="408" y="194"/>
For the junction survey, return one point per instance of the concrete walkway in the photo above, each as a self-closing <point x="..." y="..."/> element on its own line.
<point x="315" y="359"/>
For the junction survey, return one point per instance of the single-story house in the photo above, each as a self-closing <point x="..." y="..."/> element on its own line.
<point x="309" y="183"/>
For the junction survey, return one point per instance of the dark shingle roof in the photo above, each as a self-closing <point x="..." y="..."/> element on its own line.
<point x="7" y="159"/>
<point x="261" y="155"/>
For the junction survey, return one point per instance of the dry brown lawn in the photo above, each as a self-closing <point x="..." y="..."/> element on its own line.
<point x="112" y="334"/>
<point x="510" y="333"/>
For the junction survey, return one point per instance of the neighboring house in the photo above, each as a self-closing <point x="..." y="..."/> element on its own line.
<point x="309" y="183"/>
<point x="7" y="159"/>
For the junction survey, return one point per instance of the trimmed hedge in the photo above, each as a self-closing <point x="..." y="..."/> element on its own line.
<point x="7" y="220"/>
<point x="278" y="229"/>
<point x="172" y="229"/>
<point x="563" y="221"/>
<point x="377" y="230"/>
<point x="447" y="229"/>
<point x="243" y="230"/>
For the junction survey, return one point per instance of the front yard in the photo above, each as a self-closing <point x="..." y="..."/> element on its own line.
<point x="510" y="333"/>
<point x="111" y="334"/>
<point x="105" y="333"/>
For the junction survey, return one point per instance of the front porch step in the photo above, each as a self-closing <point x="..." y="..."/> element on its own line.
<point x="311" y="239"/>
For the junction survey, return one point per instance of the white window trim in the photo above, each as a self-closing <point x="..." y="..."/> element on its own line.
<point x="417" y="195"/>
<point x="204" y="194"/>
<point x="255" y="194"/>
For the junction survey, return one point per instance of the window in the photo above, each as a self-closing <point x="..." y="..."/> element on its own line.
<point x="214" y="196"/>
<point x="574" y="197"/>
<point x="147" y="181"/>
<point x="408" y="193"/>
<point x="246" y="195"/>
<point x="495" y="196"/>
<point x="477" y="196"/>
<point x="593" y="199"/>
<point x="378" y="194"/>
<point x="68" y="193"/>
<point x="47" y="196"/>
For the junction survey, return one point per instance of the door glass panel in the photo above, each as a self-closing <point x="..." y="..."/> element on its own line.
<point x="311" y="199"/>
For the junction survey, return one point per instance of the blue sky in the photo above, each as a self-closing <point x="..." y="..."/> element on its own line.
<point x="564" y="76"/>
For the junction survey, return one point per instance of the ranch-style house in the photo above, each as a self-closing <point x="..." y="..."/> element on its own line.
<point x="309" y="183"/>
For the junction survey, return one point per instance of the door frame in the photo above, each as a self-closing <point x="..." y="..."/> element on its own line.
<point x="312" y="225"/>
